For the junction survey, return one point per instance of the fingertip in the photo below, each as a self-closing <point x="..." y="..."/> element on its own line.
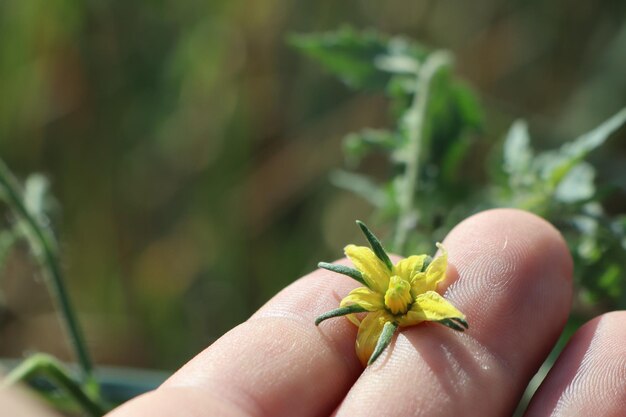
<point x="509" y="273"/>
<point x="497" y="228"/>
<point x="589" y="377"/>
<point x="518" y="265"/>
<point x="270" y="364"/>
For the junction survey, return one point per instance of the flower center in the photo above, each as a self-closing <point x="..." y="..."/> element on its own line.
<point x="398" y="295"/>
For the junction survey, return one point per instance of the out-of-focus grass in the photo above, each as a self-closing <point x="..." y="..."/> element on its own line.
<point x="188" y="146"/>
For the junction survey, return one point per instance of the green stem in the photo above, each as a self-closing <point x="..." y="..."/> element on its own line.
<point x="415" y="124"/>
<point x="44" y="247"/>
<point x="41" y="364"/>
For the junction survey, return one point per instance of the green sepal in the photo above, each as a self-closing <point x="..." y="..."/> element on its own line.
<point x="461" y="322"/>
<point x="341" y="311"/>
<point x="345" y="270"/>
<point x="377" y="247"/>
<point x="455" y="324"/>
<point x="427" y="261"/>
<point x="383" y="340"/>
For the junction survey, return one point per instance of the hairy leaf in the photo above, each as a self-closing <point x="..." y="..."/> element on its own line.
<point x="577" y="185"/>
<point x="555" y="165"/>
<point x="363" y="60"/>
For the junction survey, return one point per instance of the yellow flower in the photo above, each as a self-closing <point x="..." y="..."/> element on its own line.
<point x="399" y="295"/>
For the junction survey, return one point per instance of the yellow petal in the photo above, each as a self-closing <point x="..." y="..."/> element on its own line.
<point x="398" y="296"/>
<point x="366" y="298"/>
<point x="353" y="319"/>
<point x="408" y="267"/>
<point x="429" y="306"/>
<point x="375" y="272"/>
<point x="368" y="335"/>
<point x="434" y="274"/>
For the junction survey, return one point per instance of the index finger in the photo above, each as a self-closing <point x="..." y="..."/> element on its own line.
<point x="277" y="363"/>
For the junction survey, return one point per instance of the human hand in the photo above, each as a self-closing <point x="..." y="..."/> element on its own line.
<point x="510" y="273"/>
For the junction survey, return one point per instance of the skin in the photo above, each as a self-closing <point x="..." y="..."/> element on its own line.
<point x="510" y="273"/>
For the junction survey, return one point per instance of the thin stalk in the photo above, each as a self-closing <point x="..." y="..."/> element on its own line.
<point x="415" y="124"/>
<point x="43" y="246"/>
<point x="46" y="365"/>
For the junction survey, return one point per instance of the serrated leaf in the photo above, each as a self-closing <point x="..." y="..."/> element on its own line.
<point x="348" y="54"/>
<point x="555" y="165"/>
<point x="363" y="60"/>
<point x="578" y="184"/>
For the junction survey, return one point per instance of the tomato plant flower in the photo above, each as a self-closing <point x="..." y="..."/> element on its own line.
<point x="393" y="296"/>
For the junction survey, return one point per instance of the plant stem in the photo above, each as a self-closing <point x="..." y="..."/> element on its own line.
<point x="43" y="246"/>
<point x="48" y="366"/>
<point x="414" y="119"/>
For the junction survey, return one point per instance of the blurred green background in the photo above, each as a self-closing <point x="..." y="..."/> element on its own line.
<point x="188" y="146"/>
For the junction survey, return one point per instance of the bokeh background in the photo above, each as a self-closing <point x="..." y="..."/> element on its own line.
<point x="188" y="146"/>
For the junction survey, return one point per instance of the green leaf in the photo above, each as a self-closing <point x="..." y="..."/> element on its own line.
<point x="554" y="166"/>
<point x="363" y="60"/>
<point x="453" y="114"/>
<point x="611" y="280"/>
<point x="348" y="54"/>
<point x="577" y="185"/>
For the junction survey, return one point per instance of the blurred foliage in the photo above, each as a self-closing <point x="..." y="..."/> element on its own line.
<point x="556" y="184"/>
<point x="560" y="186"/>
<point x="188" y="148"/>
<point x="452" y="118"/>
<point x="432" y="143"/>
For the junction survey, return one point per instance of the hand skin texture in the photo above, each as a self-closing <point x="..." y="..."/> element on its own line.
<point x="510" y="273"/>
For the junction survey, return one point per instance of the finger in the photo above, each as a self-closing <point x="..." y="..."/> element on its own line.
<point x="513" y="282"/>
<point x="589" y="378"/>
<point x="17" y="402"/>
<point x="278" y="363"/>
